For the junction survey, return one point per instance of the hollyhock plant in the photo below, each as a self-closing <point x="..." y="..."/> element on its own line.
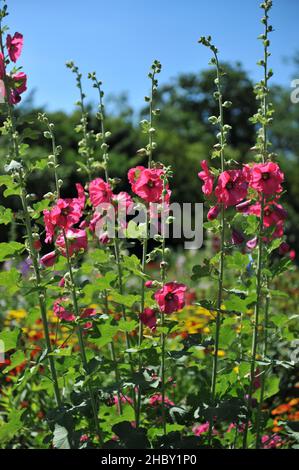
<point x="77" y="241"/>
<point x="213" y="212"/>
<point x="64" y="214"/>
<point x="62" y="312"/>
<point x="147" y="183"/>
<point x="149" y="318"/>
<point x="99" y="192"/>
<point x="206" y="176"/>
<point x="266" y="178"/>
<point x="49" y="259"/>
<point x="171" y="297"/>
<point x="231" y="187"/>
<point x="14" y="46"/>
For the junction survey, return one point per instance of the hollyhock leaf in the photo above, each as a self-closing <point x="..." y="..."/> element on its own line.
<point x="251" y="226"/>
<point x="238" y="261"/>
<point x="107" y="332"/>
<point x="60" y="439"/>
<point x="6" y="215"/>
<point x="132" y="264"/>
<point x="13" y="425"/>
<point x="10" y="338"/>
<point x="127" y="300"/>
<point x="100" y="256"/>
<point x="200" y="271"/>
<point x="16" y="359"/>
<point x="10" y="280"/>
<point x="40" y="207"/>
<point x="127" y="326"/>
<point x="283" y="265"/>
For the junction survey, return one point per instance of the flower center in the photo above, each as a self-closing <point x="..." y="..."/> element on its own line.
<point x="150" y="184"/>
<point x="169" y="296"/>
<point x="267" y="212"/>
<point x="265" y="176"/>
<point x="229" y="185"/>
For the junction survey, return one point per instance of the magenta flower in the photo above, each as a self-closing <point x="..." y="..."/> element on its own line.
<point x="231" y="187"/>
<point x="284" y="248"/>
<point x="18" y="86"/>
<point x="2" y="66"/>
<point x="147" y="183"/>
<point x="77" y="241"/>
<point x="62" y="312"/>
<point x="148" y="318"/>
<point x="157" y="400"/>
<point x="65" y="214"/>
<point x="213" y="213"/>
<point x="48" y="260"/>
<point x="171" y="297"/>
<point x="237" y="237"/>
<point x="99" y="192"/>
<point x="207" y="177"/>
<point x="14" y="46"/>
<point x="266" y="178"/>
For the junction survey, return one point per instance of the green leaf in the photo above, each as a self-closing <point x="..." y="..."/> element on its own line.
<point x="238" y="261"/>
<point x="16" y="359"/>
<point x="6" y="215"/>
<point x="127" y="300"/>
<point x="60" y="439"/>
<point x="12" y="427"/>
<point x="10" y="338"/>
<point x="127" y="326"/>
<point x="107" y="334"/>
<point x="9" y="249"/>
<point x="10" y="281"/>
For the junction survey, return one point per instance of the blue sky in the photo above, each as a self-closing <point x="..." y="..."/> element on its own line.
<point x="120" y="38"/>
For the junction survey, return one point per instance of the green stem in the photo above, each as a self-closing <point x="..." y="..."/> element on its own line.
<point x="221" y="261"/>
<point x="80" y="338"/>
<point x="114" y="359"/>
<point x="263" y="374"/>
<point x="256" y="322"/>
<point x="32" y="251"/>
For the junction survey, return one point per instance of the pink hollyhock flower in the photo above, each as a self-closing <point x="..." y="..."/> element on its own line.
<point x="207" y="177"/>
<point x="123" y="202"/>
<point x="61" y="311"/>
<point x="84" y="438"/>
<point x="157" y="400"/>
<point x="237" y="237"/>
<point x="293" y="255"/>
<point x="19" y="86"/>
<point x="88" y="312"/>
<point x="244" y="207"/>
<point x="37" y="245"/>
<point x="284" y="248"/>
<point x="213" y="212"/>
<point x="148" y="318"/>
<point x="251" y="244"/>
<point x="125" y="399"/>
<point x="274" y="213"/>
<point x="104" y="238"/>
<point x="266" y="178"/>
<point x="49" y="259"/>
<point x="148" y="284"/>
<point x="61" y="283"/>
<point x="171" y="297"/>
<point x="147" y="183"/>
<point x="77" y="241"/>
<point x="65" y="213"/>
<point x="231" y="187"/>
<point x="2" y="68"/>
<point x="99" y="192"/>
<point x="14" y="46"/>
<point x="201" y="428"/>
<point x="271" y="442"/>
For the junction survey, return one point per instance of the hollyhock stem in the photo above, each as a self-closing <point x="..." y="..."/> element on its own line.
<point x="266" y="6"/>
<point x="256" y="321"/>
<point x="114" y="359"/>
<point x="97" y="84"/>
<point x="80" y="338"/>
<point x="32" y="251"/>
<point x="156" y="67"/>
<point x="222" y="240"/>
<point x="264" y="372"/>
